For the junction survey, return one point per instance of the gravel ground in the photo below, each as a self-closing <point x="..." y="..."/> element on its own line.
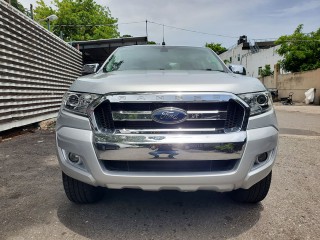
<point x="33" y="204"/>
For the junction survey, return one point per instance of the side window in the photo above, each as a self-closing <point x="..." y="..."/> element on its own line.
<point x="109" y="65"/>
<point x="114" y="63"/>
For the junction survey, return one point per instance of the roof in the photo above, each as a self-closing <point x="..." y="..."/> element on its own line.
<point x="97" y="51"/>
<point x="261" y="45"/>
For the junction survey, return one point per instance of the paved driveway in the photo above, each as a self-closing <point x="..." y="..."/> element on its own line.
<point x="33" y="204"/>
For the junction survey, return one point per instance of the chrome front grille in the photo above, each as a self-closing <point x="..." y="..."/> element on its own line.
<point x="208" y="112"/>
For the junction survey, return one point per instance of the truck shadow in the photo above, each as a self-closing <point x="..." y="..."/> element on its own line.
<point x="135" y="214"/>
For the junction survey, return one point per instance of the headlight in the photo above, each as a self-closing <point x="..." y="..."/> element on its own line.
<point x="259" y="102"/>
<point x="78" y="102"/>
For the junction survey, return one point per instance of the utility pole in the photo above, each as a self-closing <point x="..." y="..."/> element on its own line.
<point x="163" y="42"/>
<point x="31" y="11"/>
<point x="147" y="28"/>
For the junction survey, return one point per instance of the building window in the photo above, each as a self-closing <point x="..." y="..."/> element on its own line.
<point x="230" y="59"/>
<point x="259" y="70"/>
<point x="238" y="57"/>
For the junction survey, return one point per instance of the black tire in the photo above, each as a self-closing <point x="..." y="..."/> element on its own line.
<point x="254" y="194"/>
<point x="79" y="192"/>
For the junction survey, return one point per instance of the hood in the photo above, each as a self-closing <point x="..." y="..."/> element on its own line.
<point x="166" y="81"/>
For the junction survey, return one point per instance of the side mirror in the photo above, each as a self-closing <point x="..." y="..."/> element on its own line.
<point x="238" y="69"/>
<point x="90" y="68"/>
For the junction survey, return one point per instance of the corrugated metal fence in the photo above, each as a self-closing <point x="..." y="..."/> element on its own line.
<point x="36" y="68"/>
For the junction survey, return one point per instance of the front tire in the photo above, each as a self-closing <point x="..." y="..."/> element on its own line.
<point x="79" y="192"/>
<point x="254" y="194"/>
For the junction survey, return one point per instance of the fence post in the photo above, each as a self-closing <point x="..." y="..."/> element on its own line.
<point x="276" y="74"/>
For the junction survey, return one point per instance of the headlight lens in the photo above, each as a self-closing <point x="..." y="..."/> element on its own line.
<point x="259" y="102"/>
<point x="78" y="102"/>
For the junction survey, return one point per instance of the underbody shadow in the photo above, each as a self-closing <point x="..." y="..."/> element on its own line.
<point x="136" y="214"/>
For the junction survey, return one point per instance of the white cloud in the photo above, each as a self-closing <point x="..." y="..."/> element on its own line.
<point x="217" y="17"/>
<point x="301" y="7"/>
<point x="256" y="18"/>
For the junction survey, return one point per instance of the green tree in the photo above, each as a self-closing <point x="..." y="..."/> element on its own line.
<point x="17" y="5"/>
<point x="216" y="47"/>
<point x="152" y="43"/>
<point x="301" y="51"/>
<point x="42" y="11"/>
<point x="79" y="19"/>
<point x="226" y="61"/>
<point x="266" y="71"/>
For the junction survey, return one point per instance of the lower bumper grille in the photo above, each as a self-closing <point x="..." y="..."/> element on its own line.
<point x="170" y="166"/>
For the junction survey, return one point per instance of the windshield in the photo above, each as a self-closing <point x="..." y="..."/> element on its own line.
<point x="163" y="58"/>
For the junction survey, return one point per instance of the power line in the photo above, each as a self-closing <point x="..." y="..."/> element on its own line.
<point x="189" y="30"/>
<point x="292" y="40"/>
<point x="97" y="25"/>
<point x="177" y="28"/>
<point x="146" y="22"/>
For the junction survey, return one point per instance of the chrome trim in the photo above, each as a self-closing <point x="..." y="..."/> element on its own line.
<point x="131" y="112"/>
<point x="163" y="130"/>
<point x="203" y="112"/>
<point x="168" y="97"/>
<point x="170" y="138"/>
<point x="196" y="116"/>
<point x="147" y="115"/>
<point x="169" y="146"/>
<point x="131" y="116"/>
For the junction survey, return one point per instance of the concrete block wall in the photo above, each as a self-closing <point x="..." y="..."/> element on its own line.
<point x="298" y="83"/>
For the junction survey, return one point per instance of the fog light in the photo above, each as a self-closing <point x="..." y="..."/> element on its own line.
<point x="74" y="158"/>
<point x="261" y="158"/>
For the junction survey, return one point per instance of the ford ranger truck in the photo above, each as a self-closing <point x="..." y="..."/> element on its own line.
<point x="166" y="118"/>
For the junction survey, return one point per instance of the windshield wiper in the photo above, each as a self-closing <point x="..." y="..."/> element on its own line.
<point x="209" y="69"/>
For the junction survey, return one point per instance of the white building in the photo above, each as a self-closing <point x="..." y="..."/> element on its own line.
<point x="253" y="57"/>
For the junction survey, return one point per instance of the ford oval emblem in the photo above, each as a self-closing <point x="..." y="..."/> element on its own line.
<point x="169" y="115"/>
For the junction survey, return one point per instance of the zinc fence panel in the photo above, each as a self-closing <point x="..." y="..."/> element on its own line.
<point x="36" y="69"/>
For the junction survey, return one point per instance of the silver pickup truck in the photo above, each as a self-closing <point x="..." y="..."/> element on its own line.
<point x="163" y="117"/>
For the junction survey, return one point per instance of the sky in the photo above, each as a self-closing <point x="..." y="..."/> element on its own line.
<point x="223" y="20"/>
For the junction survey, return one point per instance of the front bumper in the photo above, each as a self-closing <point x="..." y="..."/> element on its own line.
<point x="249" y="144"/>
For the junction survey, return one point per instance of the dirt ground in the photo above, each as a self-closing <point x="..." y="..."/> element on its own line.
<point x="33" y="204"/>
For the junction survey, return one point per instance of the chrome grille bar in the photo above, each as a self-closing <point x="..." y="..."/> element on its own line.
<point x="146" y="115"/>
<point x="132" y="113"/>
<point x="163" y="130"/>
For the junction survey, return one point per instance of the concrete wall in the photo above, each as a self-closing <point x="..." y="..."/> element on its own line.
<point x="36" y="69"/>
<point x="298" y="83"/>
